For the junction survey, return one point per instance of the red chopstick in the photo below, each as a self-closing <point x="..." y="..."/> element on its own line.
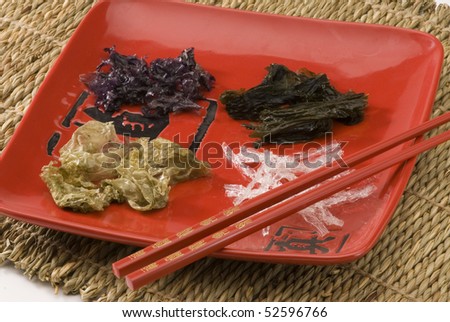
<point x="229" y="216"/>
<point x="230" y="234"/>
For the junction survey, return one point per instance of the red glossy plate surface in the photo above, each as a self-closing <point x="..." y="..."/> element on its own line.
<point x="398" y="68"/>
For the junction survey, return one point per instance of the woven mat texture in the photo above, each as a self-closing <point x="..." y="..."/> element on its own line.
<point x="411" y="262"/>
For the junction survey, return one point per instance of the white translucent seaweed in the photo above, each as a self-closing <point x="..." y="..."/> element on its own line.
<point x="274" y="169"/>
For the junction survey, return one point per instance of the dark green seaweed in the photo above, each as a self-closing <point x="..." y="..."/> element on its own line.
<point x="293" y="107"/>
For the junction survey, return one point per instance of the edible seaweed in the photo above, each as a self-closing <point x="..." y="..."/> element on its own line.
<point x="290" y="106"/>
<point x="164" y="85"/>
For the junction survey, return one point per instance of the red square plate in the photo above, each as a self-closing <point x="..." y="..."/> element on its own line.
<point x="398" y="68"/>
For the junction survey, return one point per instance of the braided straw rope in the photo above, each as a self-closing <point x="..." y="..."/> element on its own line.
<point x="411" y="262"/>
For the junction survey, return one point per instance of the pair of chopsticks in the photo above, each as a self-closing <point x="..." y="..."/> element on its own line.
<point x="230" y="225"/>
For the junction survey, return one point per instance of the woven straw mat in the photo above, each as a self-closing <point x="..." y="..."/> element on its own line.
<point x="411" y="262"/>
